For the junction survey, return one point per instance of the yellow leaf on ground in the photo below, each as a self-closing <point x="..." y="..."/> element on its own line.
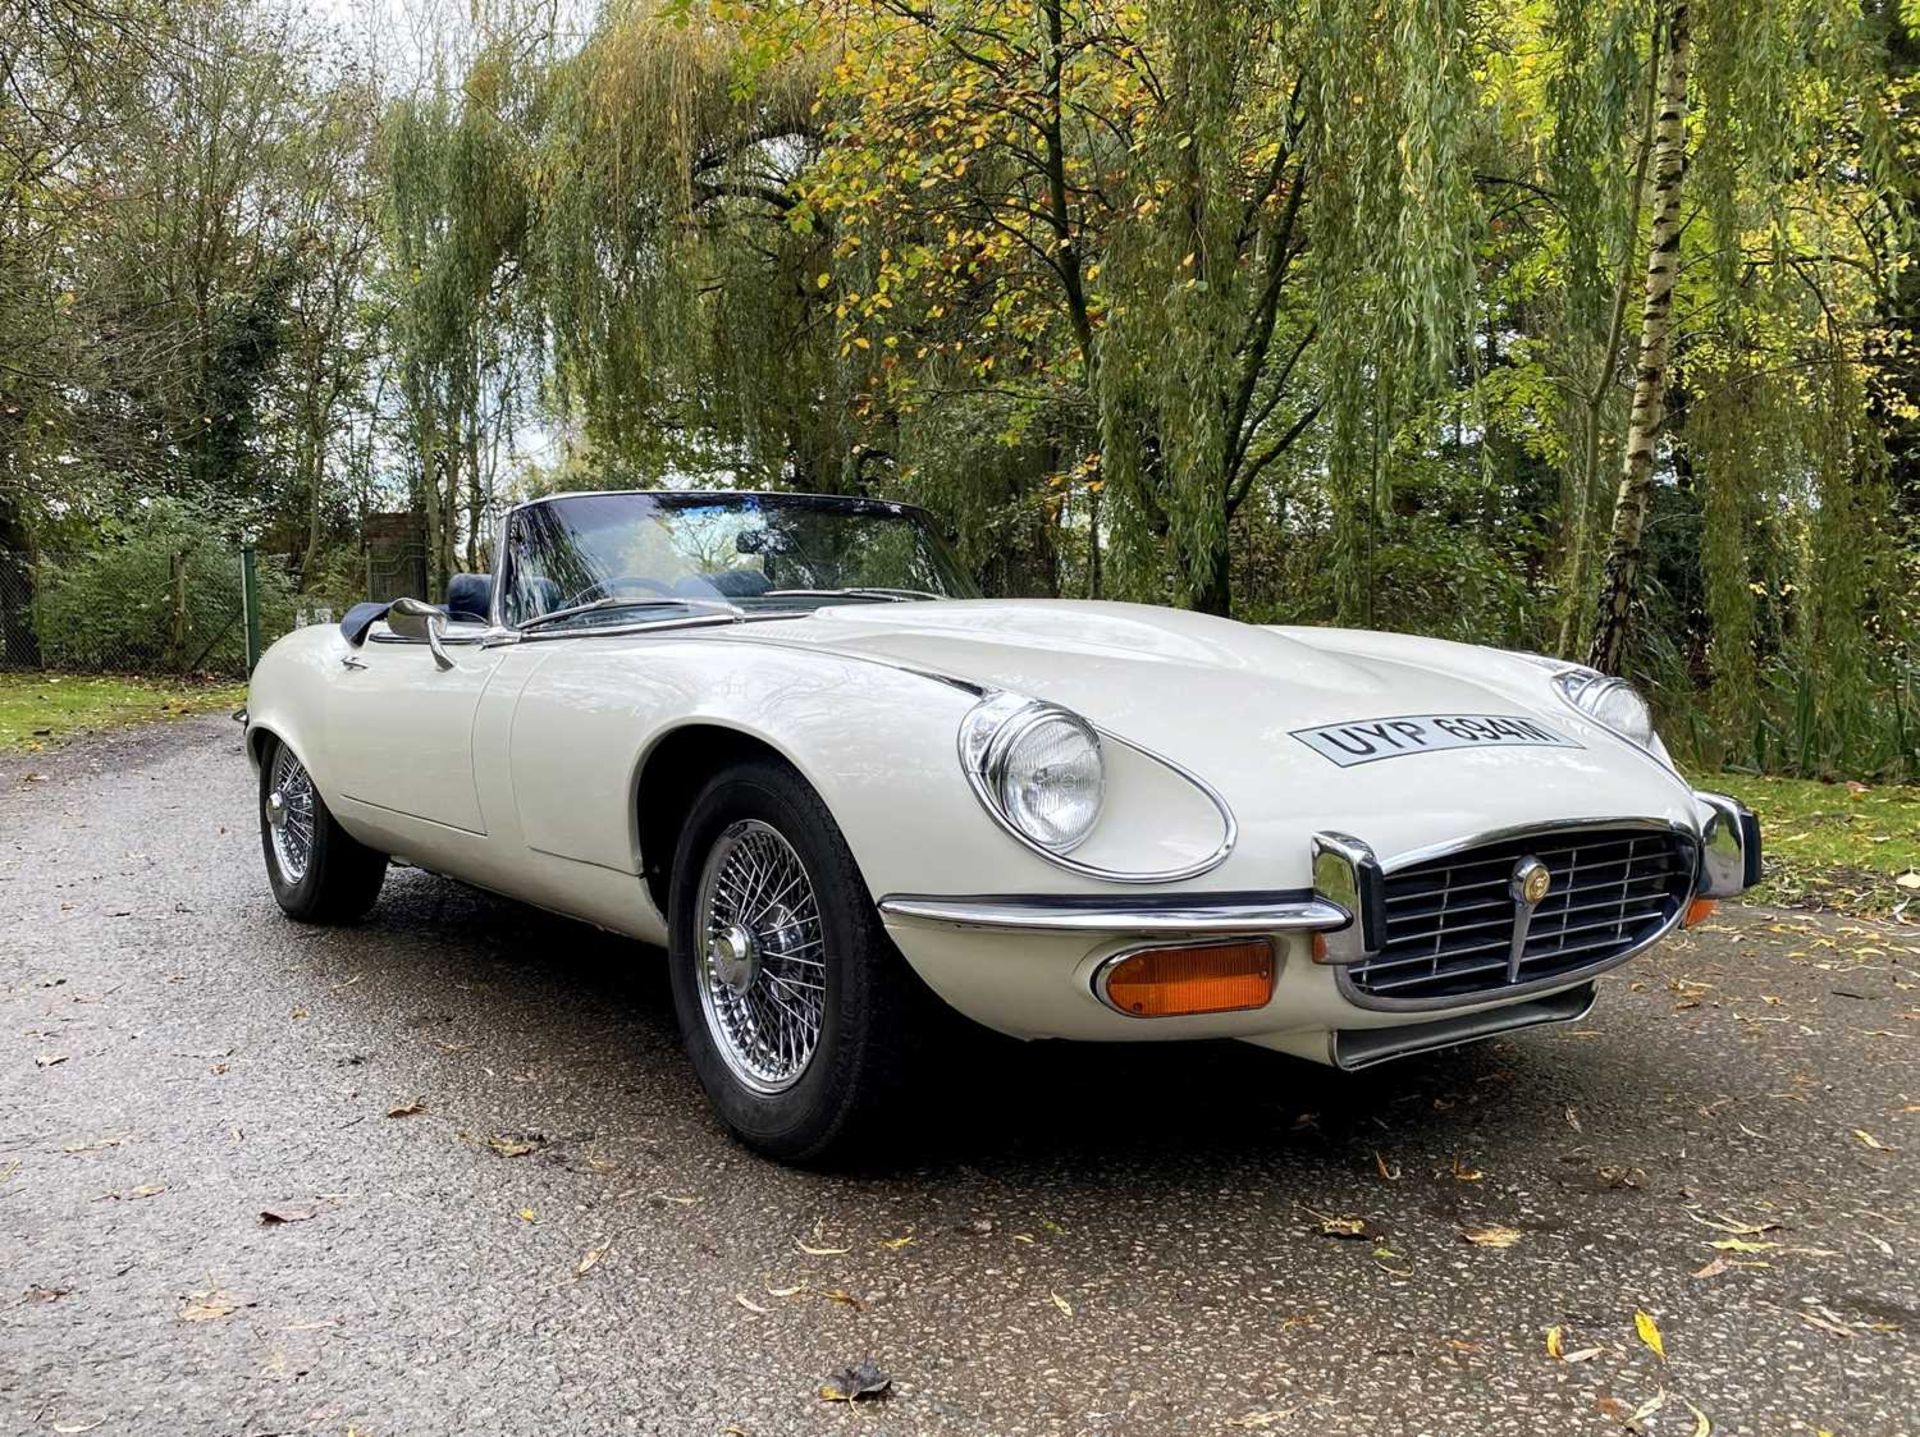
<point x="1555" y="1348"/>
<point x="1649" y="1331"/>
<point x="1740" y="1244"/>
<point x="1061" y="1303"/>
<point x="1493" y="1235"/>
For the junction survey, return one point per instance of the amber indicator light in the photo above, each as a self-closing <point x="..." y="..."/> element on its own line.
<point x="1699" y="910"/>
<point x="1209" y="978"/>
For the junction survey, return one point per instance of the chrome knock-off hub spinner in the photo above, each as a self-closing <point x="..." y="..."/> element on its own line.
<point x="735" y="958"/>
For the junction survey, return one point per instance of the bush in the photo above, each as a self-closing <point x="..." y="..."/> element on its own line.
<point x="124" y="606"/>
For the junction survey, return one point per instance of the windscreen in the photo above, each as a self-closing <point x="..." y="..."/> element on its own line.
<point x="598" y="558"/>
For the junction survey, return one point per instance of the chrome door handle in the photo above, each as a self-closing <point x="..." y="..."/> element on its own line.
<point x="352" y="661"/>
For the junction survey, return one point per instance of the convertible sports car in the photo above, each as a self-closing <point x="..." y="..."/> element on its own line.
<point x="782" y="736"/>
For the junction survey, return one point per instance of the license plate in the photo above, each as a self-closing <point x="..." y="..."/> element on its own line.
<point x="1370" y="740"/>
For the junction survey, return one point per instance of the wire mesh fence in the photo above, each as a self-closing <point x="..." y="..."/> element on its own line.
<point x="142" y="609"/>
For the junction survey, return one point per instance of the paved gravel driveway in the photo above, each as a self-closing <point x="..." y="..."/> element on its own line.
<point x="556" y="1239"/>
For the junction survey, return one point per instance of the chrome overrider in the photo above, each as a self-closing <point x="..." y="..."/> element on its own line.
<point x="1346" y="907"/>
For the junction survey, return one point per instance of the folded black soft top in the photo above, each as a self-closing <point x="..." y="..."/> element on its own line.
<point x="361" y="617"/>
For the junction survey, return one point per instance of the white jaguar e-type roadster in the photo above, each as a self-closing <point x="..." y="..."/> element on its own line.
<point x="780" y="735"/>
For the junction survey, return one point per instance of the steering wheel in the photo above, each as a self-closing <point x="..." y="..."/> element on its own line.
<point x="607" y="585"/>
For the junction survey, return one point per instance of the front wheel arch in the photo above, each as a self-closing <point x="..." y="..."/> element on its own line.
<point x="671" y="777"/>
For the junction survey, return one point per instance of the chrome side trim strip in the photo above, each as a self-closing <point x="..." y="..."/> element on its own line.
<point x="1198" y="913"/>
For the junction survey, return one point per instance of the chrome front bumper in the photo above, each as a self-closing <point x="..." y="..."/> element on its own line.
<point x="1346" y="905"/>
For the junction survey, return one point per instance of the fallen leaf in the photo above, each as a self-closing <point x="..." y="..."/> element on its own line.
<point x="1714" y="1268"/>
<point x="1386" y="1173"/>
<point x="794" y="1291"/>
<point x="853" y="1384"/>
<point x="1647" y="1409"/>
<point x="95" y="1145"/>
<point x="821" y="1251"/>
<point x="1465" y="1174"/>
<point x="844" y="1298"/>
<point x="1741" y="1244"/>
<point x="894" y="1244"/>
<point x="749" y="1304"/>
<point x="1722" y="1223"/>
<point x="1824" y="1324"/>
<point x="1061" y="1303"/>
<point x="1585" y="1354"/>
<point x="72" y="1427"/>
<point x="590" y="1259"/>
<point x="1555" y="1347"/>
<point x="1649" y="1332"/>
<point x="509" y="1145"/>
<point x="1909" y="879"/>
<point x="526" y="1214"/>
<point x="273" y="1217"/>
<point x="1871" y="1141"/>
<point x="1343" y="1227"/>
<point x="1493" y="1235"/>
<point x="1701" y="1426"/>
<point x="206" y="1306"/>
<point x="408" y="1110"/>
<point x="49" y="1060"/>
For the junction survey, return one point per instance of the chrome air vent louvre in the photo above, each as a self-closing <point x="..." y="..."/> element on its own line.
<point x="1452" y="921"/>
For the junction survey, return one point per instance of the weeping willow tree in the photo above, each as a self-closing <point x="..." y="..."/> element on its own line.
<point x="456" y="217"/>
<point x="1775" y="109"/>
<point x="1414" y="314"/>
<point x="1171" y="231"/>
<point x="673" y="259"/>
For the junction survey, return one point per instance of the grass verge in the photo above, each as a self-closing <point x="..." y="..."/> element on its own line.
<point x="1849" y="847"/>
<point x="41" y="708"/>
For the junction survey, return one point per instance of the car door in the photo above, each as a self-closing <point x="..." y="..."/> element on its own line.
<point x="403" y="725"/>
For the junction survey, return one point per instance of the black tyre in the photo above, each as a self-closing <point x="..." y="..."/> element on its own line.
<point x="796" y="1009"/>
<point x="320" y="873"/>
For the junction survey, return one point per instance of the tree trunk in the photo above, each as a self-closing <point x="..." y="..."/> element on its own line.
<point x="1620" y="580"/>
<point x="1215" y="595"/>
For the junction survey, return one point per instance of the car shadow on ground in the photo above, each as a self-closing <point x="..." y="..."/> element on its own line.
<point x="1120" y="1112"/>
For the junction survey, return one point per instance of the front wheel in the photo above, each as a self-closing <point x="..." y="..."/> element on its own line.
<point x="320" y="873"/>
<point x="795" y="1007"/>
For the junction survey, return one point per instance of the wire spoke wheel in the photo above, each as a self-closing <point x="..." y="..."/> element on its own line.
<point x="761" y="969"/>
<point x="290" y="815"/>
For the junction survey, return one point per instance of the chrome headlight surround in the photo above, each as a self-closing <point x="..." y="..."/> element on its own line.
<point x="1614" y="704"/>
<point x="997" y="739"/>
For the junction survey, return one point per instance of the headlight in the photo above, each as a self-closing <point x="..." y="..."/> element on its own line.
<point x="1036" y="767"/>
<point x="1611" y="702"/>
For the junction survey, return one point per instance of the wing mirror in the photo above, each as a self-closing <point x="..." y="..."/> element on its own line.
<point x="416" y="619"/>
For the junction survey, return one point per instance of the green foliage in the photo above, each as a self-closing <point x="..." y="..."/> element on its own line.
<point x="160" y="594"/>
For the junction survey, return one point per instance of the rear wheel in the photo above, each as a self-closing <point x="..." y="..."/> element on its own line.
<point x="794" y="1005"/>
<point x="319" y="872"/>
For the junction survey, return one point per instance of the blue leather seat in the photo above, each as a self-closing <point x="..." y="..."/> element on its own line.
<point x="470" y="598"/>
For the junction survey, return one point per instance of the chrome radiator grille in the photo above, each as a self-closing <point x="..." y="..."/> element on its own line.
<point x="1452" y="921"/>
